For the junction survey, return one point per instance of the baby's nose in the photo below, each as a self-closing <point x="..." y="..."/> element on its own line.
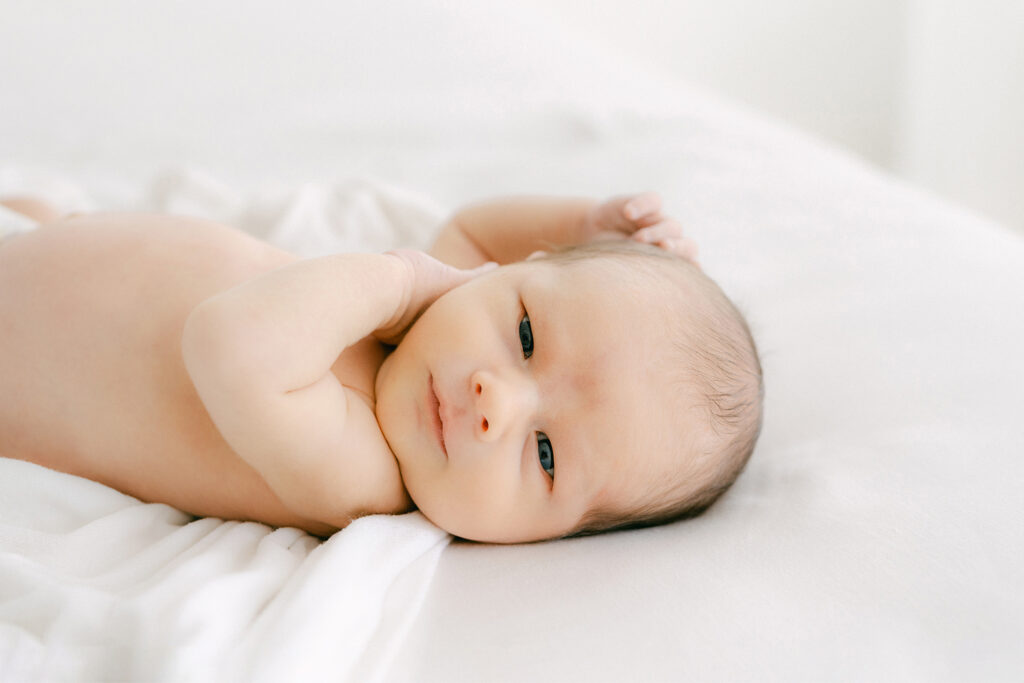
<point x="500" y="401"/>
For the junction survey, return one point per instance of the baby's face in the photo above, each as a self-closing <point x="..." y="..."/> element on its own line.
<point x="519" y="401"/>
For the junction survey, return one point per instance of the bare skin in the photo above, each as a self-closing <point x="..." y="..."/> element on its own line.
<point x="92" y="310"/>
<point x="111" y="400"/>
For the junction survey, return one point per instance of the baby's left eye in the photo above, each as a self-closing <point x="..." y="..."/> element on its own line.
<point x="526" y="335"/>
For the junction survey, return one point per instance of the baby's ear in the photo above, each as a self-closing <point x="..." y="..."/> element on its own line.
<point x="536" y="255"/>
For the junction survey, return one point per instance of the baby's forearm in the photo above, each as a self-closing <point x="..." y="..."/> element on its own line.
<point x="260" y="357"/>
<point x="510" y="229"/>
<point x="287" y="327"/>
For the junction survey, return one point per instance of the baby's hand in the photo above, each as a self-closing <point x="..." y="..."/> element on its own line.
<point x="427" y="279"/>
<point x="638" y="217"/>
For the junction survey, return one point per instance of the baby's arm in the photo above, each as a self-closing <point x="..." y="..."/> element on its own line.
<point x="510" y="229"/>
<point x="260" y="356"/>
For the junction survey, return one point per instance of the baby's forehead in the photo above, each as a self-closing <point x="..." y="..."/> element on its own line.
<point x="613" y="315"/>
<point x="627" y="380"/>
<point x="610" y="279"/>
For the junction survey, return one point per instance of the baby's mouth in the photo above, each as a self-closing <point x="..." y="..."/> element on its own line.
<point x="435" y="406"/>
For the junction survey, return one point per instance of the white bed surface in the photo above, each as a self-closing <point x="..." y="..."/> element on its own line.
<point x="876" y="532"/>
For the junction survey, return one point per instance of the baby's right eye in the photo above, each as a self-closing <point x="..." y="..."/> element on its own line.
<point x="526" y="335"/>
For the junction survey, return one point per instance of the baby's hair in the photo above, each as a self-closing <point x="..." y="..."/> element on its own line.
<point x="715" y="359"/>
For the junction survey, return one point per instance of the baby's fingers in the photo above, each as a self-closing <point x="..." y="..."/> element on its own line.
<point x="665" y="229"/>
<point x="646" y="204"/>
<point x="681" y="246"/>
<point x="669" y="238"/>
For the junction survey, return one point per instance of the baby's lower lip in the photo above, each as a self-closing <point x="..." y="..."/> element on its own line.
<point x="435" y="416"/>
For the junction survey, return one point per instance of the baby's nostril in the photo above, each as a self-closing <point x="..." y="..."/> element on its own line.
<point x="479" y="388"/>
<point x="484" y="424"/>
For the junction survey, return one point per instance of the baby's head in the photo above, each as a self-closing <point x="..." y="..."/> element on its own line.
<point x="605" y="386"/>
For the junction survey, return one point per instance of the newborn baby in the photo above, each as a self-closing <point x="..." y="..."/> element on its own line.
<point x="597" y="379"/>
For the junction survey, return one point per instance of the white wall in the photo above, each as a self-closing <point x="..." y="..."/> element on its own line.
<point x="962" y="125"/>
<point x="930" y="89"/>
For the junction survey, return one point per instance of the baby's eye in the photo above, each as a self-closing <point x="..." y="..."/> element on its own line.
<point x="546" y="454"/>
<point x="526" y="335"/>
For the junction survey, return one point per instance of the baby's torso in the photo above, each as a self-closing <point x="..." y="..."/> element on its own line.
<point x="91" y="374"/>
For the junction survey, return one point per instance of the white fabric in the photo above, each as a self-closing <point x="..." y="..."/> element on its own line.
<point x="876" y="532"/>
<point x="97" y="586"/>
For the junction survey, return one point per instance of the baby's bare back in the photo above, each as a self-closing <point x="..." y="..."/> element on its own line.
<point x="91" y="374"/>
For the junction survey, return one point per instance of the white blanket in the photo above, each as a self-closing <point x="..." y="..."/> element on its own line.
<point x="95" y="585"/>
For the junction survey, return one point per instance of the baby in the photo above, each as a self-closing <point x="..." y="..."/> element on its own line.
<point x="603" y="383"/>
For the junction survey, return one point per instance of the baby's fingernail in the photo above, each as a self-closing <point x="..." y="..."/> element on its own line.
<point x="631" y="212"/>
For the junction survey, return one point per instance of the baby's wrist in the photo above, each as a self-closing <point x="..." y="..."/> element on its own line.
<point x="404" y="276"/>
<point x="588" y="225"/>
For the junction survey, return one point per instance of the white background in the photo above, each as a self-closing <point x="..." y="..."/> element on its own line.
<point x="930" y="89"/>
